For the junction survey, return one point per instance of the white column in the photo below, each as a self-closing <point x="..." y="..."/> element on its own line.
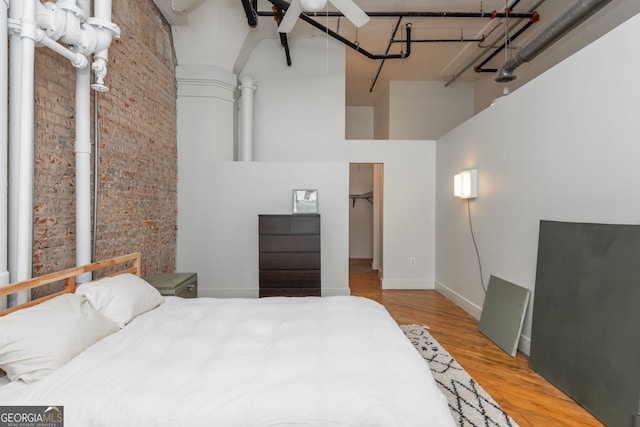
<point x="247" y="88"/>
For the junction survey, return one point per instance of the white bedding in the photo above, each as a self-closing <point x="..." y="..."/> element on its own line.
<point x="332" y="361"/>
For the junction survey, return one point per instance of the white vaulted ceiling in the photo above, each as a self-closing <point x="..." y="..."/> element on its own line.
<point x="216" y="33"/>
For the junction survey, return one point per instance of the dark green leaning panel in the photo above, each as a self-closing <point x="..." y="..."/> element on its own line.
<point x="586" y="316"/>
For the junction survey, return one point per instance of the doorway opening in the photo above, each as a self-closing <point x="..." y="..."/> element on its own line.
<point x="365" y="225"/>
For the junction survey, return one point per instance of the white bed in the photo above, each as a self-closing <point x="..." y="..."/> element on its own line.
<point x="332" y="361"/>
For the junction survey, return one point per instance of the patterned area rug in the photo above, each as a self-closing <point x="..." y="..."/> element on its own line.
<point x="470" y="405"/>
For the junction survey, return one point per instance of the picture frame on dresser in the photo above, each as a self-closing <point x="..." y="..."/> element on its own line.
<point x="305" y="201"/>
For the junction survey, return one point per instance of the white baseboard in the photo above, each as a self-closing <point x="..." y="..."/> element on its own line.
<point x="524" y="345"/>
<point x="407" y="284"/>
<point x="459" y="300"/>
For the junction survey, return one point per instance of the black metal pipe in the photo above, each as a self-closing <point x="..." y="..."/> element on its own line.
<point x="250" y="12"/>
<point x="283" y="5"/>
<point x="478" y="68"/>
<point x="442" y="41"/>
<point x="354" y="46"/>
<point x="284" y="41"/>
<point x="375" y="79"/>
<point x="285" y="44"/>
<point x="411" y="14"/>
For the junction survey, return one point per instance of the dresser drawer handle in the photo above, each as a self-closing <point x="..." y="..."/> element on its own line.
<point x="190" y="287"/>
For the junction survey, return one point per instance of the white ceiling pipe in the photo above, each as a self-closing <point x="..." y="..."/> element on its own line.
<point x="247" y="88"/>
<point x="24" y="243"/>
<point x="107" y="32"/>
<point x="15" y="85"/>
<point x="83" y="170"/>
<point x="85" y="7"/>
<point x="65" y="22"/>
<point x="78" y="60"/>
<point x="4" y="146"/>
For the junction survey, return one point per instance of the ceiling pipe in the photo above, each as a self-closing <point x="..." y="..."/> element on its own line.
<point x="479" y="57"/>
<point x="15" y="85"/>
<point x="478" y="68"/>
<point x="249" y="11"/>
<point x="284" y="41"/>
<point x="4" y="98"/>
<point x="284" y="5"/>
<point x="575" y="15"/>
<point x="395" y="30"/>
<point x="106" y="32"/>
<point x="485" y="15"/>
<point x="25" y="154"/>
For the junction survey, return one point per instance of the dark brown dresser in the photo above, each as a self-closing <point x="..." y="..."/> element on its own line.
<point x="289" y="255"/>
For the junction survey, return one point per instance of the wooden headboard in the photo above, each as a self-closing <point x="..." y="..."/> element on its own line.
<point x="128" y="263"/>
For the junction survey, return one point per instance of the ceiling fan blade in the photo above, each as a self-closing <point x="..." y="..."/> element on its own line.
<point x="351" y="10"/>
<point x="290" y="17"/>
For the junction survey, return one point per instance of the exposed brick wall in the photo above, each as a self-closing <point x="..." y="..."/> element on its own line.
<point x="137" y="196"/>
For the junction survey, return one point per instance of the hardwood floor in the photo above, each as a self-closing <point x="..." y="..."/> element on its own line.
<point x="523" y="394"/>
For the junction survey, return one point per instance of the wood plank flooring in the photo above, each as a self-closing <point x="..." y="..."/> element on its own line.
<point x="523" y="394"/>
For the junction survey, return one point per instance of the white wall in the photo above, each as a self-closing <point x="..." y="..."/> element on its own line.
<point x="427" y="110"/>
<point x="359" y="123"/>
<point x="360" y="211"/>
<point x="219" y="200"/>
<point x="381" y="116"/>
<point x="409" y="209"/>
<point x="299" y="110"/>
<point x="214" y="36"/>
<point x="221" y="234"/>
<point x="205" y="110"/>
<point x="563" y="147"/>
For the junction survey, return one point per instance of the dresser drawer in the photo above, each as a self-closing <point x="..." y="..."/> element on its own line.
<point x="290" y="292"/>
<point x="289" y="260"/>
<point x="289" y="243"/>
<point x="305" y="224"/>
<point x="289" y="278"/>
<point x="273" y="224"/>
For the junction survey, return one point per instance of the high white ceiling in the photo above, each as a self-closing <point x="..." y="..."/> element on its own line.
<point x="225" y="21"/>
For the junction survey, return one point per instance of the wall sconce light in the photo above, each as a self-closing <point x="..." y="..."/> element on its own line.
<point x="465" y="184"/>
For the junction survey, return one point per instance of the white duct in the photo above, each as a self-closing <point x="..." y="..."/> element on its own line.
<point x="247" y="88"/>
<point x="4" y="147"/>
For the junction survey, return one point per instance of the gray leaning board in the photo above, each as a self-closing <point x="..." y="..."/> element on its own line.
<point x="503" y="311"/>
<point x="586" y="316"/>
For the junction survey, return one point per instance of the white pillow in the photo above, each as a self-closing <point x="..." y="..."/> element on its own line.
<point x="121" y="298"/>
<point x="36" y="340"/>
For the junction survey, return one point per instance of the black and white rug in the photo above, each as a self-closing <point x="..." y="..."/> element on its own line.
<point x="470" y="405"/>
